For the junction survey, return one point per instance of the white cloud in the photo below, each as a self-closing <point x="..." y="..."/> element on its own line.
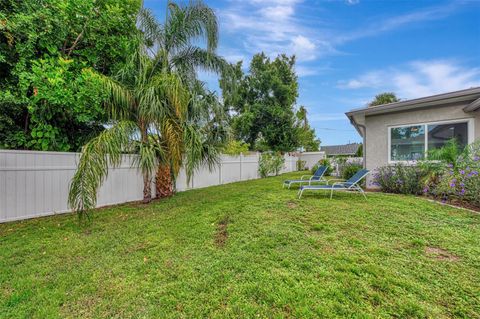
<point x="280" y="12"/>
<point x="418" y="78"/>
<point x="304" y="48"/>
<point x="270" y="26"/>
<point x="396" y="22"/>
<point x="352" y="2"/>
<point x="370" y="79"/>
<point x="275" y="26"/>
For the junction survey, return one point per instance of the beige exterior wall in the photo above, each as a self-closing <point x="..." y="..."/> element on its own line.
<point x="377" y="130"/>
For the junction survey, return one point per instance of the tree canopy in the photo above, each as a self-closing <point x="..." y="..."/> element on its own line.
<point x="384" y="98"/>
<point x="263" y="105"/>
<point x="47" y="100"/>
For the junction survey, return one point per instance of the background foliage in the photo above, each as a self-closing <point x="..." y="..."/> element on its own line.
<point x="384" y="98"/>
<point x="349" y="169"/>
<point x="270" y="164"/>
<point x="234" y="147"/>
<point x="46" y="100"/>
<point x="323" y="162"/>
<point x="263" y="105"/>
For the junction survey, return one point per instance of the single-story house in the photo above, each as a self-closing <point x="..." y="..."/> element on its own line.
<point x="404" y="131"/>
<point x="340" y="150"/>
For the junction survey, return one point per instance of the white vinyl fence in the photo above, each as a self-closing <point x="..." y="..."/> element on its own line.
<point x="311" y="158"/>
<point x="34" y="184"/>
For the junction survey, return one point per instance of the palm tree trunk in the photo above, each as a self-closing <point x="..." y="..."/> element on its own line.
<point x="164" y="181"/>
<point x="147" y="186"/>
<point x="147" y="189"/>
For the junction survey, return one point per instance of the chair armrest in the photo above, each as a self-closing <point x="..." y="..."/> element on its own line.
<point x="306" y="176"/>
<point x="338" y="183"/>
<point x="335" y="179"/>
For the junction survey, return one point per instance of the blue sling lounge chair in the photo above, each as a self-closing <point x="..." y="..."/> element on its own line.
<point x="350" y="185"/>
<point x="317" y="178"/>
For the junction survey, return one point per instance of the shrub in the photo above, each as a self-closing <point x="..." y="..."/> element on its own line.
<point x="323" y="162"/>
<point x="400" y="178"/>
<point x="301" y="165"/>
<point x="270" y="164"/>
<point x="459" y="181"/>
<point x="236" y="148"/>
<point x="350" y="169"/>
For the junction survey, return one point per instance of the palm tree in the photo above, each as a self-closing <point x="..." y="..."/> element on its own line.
<point x="179" y="53"/>
<point x="384" y="98"/>
<point x="160" y="111"/>
<point x="449" y="153"/>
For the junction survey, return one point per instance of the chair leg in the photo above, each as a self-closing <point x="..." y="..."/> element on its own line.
<point x="363" y="193"/>
<point x="331" y="193"/>
<point x="300" y="192"/>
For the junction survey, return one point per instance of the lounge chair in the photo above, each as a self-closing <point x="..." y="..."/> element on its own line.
<point x="317" y="178"/>
<point x="349" y="185"/>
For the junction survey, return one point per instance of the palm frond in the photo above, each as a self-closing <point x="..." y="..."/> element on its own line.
<point x="449" y="153"/>
<point x="104" y="150"/>
<point x="192" y="58"/>
<point x="152" y="31"/>
<point x="186" y="24"/>
<point x="148" y="152"/>
<point x="198" y="151"/>
<point x="120" y="98"/>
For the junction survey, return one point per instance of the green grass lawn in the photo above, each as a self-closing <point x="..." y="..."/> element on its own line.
<point x="248" y="249"/>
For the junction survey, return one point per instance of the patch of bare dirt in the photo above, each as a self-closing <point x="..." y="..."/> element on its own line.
<point x="221" y="235"/>
<point x="291" y="204"/>
<point x="440" y="254"/>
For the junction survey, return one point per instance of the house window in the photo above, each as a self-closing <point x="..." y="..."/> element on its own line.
<point x="408" y="143"/>
<point x="411" y="143"/>
<point x="439" y="134"/>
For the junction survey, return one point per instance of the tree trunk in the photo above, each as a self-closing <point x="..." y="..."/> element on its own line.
<point x="147" y="189"/>
<point x="164" y="181"/>
<point x="147" y="185"/>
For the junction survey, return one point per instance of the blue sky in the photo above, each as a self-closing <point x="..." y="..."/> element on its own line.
<point x="350" y="50"/>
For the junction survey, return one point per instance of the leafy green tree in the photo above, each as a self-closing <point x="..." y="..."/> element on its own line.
<point x="384" y="98"/>
<point x="234" y="147"/>
<point x="66" y="105"/>
<point x="40" y="35"/>
<point x="155" y="113"/>
<point x="306" y="135"/>
<point x="263" y="102"/>
<point x="359" y="152"/>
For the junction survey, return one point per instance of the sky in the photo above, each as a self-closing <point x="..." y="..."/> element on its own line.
<point x="350" y="50"/>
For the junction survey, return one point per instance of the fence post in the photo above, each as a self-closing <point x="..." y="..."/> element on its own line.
<point x="241" y="163"/>
<point x="220" y="170"/>
<point x="258" y="165"/>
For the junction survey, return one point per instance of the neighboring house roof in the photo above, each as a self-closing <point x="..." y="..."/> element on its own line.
<point x="471" y="96"/>
<point x="347" y="149"/>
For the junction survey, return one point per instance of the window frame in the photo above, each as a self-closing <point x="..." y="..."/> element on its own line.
<point x="470" y="132"/>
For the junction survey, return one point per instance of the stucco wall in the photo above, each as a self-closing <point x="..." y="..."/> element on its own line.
<point x="377" y="130"/>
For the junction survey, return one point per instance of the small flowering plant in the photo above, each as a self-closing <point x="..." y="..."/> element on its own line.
<point x="399" y="178"/>
<point x="462" y="181"/>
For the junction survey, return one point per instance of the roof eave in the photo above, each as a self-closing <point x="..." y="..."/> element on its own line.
<point x="424" y="102"/>
<point x="475" y="105"/>
<point x="354" y="123"/>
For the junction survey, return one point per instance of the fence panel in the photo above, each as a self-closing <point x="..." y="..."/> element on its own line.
<point x="34" y="184"/>
<point x="312" y="158"/>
